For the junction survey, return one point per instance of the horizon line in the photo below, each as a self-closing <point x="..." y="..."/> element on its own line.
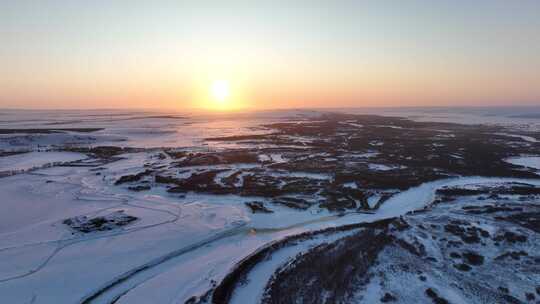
<point x="252" y="109"/>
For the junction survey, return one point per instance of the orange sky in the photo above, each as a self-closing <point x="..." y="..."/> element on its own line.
<point x="98" y="54"/>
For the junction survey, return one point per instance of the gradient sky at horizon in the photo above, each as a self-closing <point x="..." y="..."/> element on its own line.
<point x="275" y="54"/>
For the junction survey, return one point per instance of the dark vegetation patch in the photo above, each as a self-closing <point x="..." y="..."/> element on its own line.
<point x="258" y="207"/>
<point x="155" y="117"/>
<point x="513" y="189"/>
<point x="388" y="297"/>
<point x="402" y="179"/>
<point x="400" y="224"/>
<point x="197" y="182"/>
<point x="516" y="255"/>
<point x="332" y="145"/>
<point x="337" y="263"/>
<point x="292" y="202"/>
<point x="456" y="191"/>
<point x="435" y="297"/>
<point x="132" y="177"/>
<point x="473" y="258"/>
<point x="337" y="272"/>
<point x="217" y="158"/>
<point x="48" y="130"/>
<point x="223" y="291"/>
<point x="110" y="221"/>
<point x="490" y="209"/>
<point x="415" y="248"/>
<point x="529" y="220"/>
<point x="455" y="255"/>
<point x="140" y="188"/>
<point x="468" y="234"/>
<point x="9" y="153"/>
<point x="510" y="237"/>
<point x="103" y="152"/>
<point x="241" y="137"/>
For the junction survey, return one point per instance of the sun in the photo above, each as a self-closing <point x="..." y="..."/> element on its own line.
<point x="221" y="91"/>
<point x="220" y="94"/>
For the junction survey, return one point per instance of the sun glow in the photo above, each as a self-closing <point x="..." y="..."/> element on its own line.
<point x="221" y="91"/>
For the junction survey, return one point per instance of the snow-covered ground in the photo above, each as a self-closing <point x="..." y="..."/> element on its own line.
<point x="525" y="161"/>
<point x="414" y="199"/>
<point x="255" y="282"/>
<point x="383" y="167"/>
<point x="522" y="137"/>
<point x="32" y="160"/>
<point x="170" y="234"/>
<point x="179" y="244"/>
<point x="130" y="128"/>
<point x="42" y="256"/>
